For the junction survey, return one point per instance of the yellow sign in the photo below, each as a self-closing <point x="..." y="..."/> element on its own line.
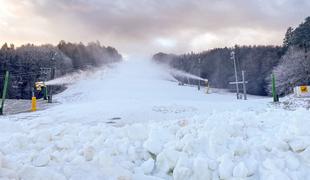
<point x="304" y="89"/>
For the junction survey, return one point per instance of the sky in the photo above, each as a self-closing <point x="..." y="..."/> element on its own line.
<point x="150" y="26"/>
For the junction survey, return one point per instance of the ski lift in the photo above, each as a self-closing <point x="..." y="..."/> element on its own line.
<point x="17" y="82"/>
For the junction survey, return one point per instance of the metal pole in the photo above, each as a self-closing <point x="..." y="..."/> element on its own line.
<point x="207" y="86"/>
<point x="4" y="92"/>
<point x="236" y="75"/>
<point x="50" y="90"/>
<point x="32" y="91"/>
<point x="244" y="85"/>
<point x="53" y="71"/>
<point x="45" y="92"/>
<point x="199" y="73"/>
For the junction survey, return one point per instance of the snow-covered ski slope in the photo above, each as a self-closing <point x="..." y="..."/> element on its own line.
<point x="138" y="91"/>
<point x="133" y="122"/>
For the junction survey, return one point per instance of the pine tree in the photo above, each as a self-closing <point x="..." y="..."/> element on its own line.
<point x="301" y="34"/>
<point x="288" y="37"/>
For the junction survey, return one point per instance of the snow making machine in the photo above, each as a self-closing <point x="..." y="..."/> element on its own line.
<point x="40" y="90"/>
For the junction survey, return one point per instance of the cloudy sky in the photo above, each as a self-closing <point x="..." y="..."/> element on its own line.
<point x="149" y="26"/>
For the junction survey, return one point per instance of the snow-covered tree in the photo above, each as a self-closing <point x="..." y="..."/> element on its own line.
<point x="293" y="70"/>
<point x="288" y="37"/>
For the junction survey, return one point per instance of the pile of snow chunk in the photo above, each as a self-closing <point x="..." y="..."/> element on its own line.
<point x="228" y="145"/>
<point x="5" y="169"/>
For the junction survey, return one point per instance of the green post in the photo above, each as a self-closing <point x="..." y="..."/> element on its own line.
<point x="274" y="92"/>
<point x="4" y="92"/>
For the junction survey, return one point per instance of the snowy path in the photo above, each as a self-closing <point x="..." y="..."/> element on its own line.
<point x="134" y="122"/>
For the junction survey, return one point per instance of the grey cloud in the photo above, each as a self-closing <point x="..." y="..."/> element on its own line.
<point x="140" y="21"/>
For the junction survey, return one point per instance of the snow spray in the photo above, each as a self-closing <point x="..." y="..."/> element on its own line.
<point x="70" y="78"/>
<point x="185" y="74"/>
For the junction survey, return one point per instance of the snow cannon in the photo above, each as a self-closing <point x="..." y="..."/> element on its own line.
<point x="40" y="90"/>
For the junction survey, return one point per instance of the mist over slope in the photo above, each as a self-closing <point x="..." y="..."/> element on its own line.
<point x="133" y="90"/>
<point x="128" y="90"/>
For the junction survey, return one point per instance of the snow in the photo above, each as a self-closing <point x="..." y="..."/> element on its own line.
<point x="133" y="122"/>
<point x="147" y="166"/>
<point x="240" y="170"/>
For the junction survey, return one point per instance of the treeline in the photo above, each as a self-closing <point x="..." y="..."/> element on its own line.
<point x="216" y="65"/>
<point x="290" y="63"/>
<point x="294" y="67"/>
<point x="25" y="63"/>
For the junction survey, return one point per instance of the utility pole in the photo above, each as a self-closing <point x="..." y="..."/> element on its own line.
<point x="50" y="98"/>
<point x="244" y="85"/>
<point x="53" y="72"/>
<point x="4" y="91"/>
<point x="199" y="72"/>
<point x="243" y="82"/>
<point x="233" y="57"/>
